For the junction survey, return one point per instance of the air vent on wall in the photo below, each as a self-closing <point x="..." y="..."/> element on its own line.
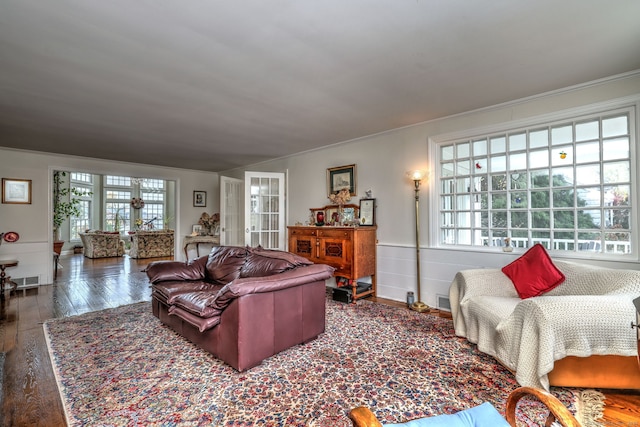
<point x="443" y="303"/>
<point x="27" y="282"/>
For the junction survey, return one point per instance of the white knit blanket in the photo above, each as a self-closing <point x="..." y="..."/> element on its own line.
<point x="588" y="314"/>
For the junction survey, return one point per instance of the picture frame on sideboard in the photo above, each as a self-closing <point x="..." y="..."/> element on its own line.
<point x="367" y="212"/>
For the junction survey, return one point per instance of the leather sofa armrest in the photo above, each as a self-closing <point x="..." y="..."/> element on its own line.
<point x="288" y="279"/>
<point x="162" y="271"/>
<point x="294" y="277"/>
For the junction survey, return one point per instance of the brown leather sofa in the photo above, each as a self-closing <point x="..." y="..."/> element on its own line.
<point x="241" y="304"/>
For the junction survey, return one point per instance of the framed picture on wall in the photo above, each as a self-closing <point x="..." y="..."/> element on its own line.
<point x="200" y="199"/>
<point x="341" y="177"/>
<point x="16" y="191"/>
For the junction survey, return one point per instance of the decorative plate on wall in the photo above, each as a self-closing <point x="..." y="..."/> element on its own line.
<point x="11" y="237"/>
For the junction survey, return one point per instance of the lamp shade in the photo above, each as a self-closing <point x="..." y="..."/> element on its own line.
<point x="417" y="175"/>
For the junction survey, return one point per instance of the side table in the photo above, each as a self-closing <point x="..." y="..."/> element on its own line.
<point x="4" y="279"/>
<point x="209" y="241"/>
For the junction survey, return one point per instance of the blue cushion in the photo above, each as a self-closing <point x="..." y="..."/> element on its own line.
<point x="484" y="415"/>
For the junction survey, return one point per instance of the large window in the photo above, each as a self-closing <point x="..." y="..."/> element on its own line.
<point x="153" y="192"/>
<point x="82" y="185"/>
<point x="567" y="185"/>
<point x="118" y="192"/>
<point x="122" y="215"/>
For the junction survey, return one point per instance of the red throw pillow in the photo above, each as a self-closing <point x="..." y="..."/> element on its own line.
<point x="533" y="274"/>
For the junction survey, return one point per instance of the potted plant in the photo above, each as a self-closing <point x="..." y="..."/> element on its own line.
<point x="66" y="203"/>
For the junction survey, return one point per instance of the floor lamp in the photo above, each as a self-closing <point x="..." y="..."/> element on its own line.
<point x="416" y="177"/>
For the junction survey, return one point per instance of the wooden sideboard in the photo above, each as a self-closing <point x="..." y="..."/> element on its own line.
<point x="350" y="250"/>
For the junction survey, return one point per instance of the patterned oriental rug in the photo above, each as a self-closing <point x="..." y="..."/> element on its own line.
<point x="122" y="367"/>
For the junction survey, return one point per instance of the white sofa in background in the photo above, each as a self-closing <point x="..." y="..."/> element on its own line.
<point x="582" y="325"/>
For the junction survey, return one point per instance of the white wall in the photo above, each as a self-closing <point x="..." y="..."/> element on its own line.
<point x="33" y="222"/>
<point x="382" y="161"/>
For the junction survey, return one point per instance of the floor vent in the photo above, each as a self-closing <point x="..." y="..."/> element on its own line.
<point x="27" y="282"/>
<point x="443" y="303"/>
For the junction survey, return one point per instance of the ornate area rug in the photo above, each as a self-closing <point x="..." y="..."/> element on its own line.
<point x="122" y="367"/>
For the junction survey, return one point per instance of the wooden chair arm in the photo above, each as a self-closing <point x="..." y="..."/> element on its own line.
<point x="363" y="417"/>
<point x="557" y="409"/>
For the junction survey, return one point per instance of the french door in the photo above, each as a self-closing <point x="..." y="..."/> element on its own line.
<point x="265" y="210"/>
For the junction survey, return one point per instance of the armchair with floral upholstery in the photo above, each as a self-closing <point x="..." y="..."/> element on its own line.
<point x="102" y="244"/>
<point x="151" y="244"/>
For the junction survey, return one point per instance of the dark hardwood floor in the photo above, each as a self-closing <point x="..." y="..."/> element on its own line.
<point x="29" y="392"/>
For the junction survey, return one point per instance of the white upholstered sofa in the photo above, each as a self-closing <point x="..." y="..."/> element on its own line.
<point x="581" y="326"/>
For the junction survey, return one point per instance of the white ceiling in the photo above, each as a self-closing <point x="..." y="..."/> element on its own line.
<point x="217" y="84"/>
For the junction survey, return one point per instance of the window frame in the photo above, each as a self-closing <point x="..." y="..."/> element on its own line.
<point x="550" y="121"/>
<point x="88" y="186"/>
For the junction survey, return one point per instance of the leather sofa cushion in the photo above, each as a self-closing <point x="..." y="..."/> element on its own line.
<point x="160" y="271"/>
<point x="264" y="262"/>
<point x="225" y="262"/>
<point x="170" y="290"/>
<point x="197" y="303"/>
<point x="202" y="323"/>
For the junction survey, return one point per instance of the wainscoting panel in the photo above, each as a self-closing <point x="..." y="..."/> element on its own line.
<point x="397" y="269"/>
<point x="34" y="260"/>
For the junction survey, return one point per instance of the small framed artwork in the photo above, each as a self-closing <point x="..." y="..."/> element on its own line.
<point x="367" y="212"/>
<point x="200" y="199"/>
<point x="341" y="177"/>
<point x="196" y="229"/>
<point x="16" y="191"/>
